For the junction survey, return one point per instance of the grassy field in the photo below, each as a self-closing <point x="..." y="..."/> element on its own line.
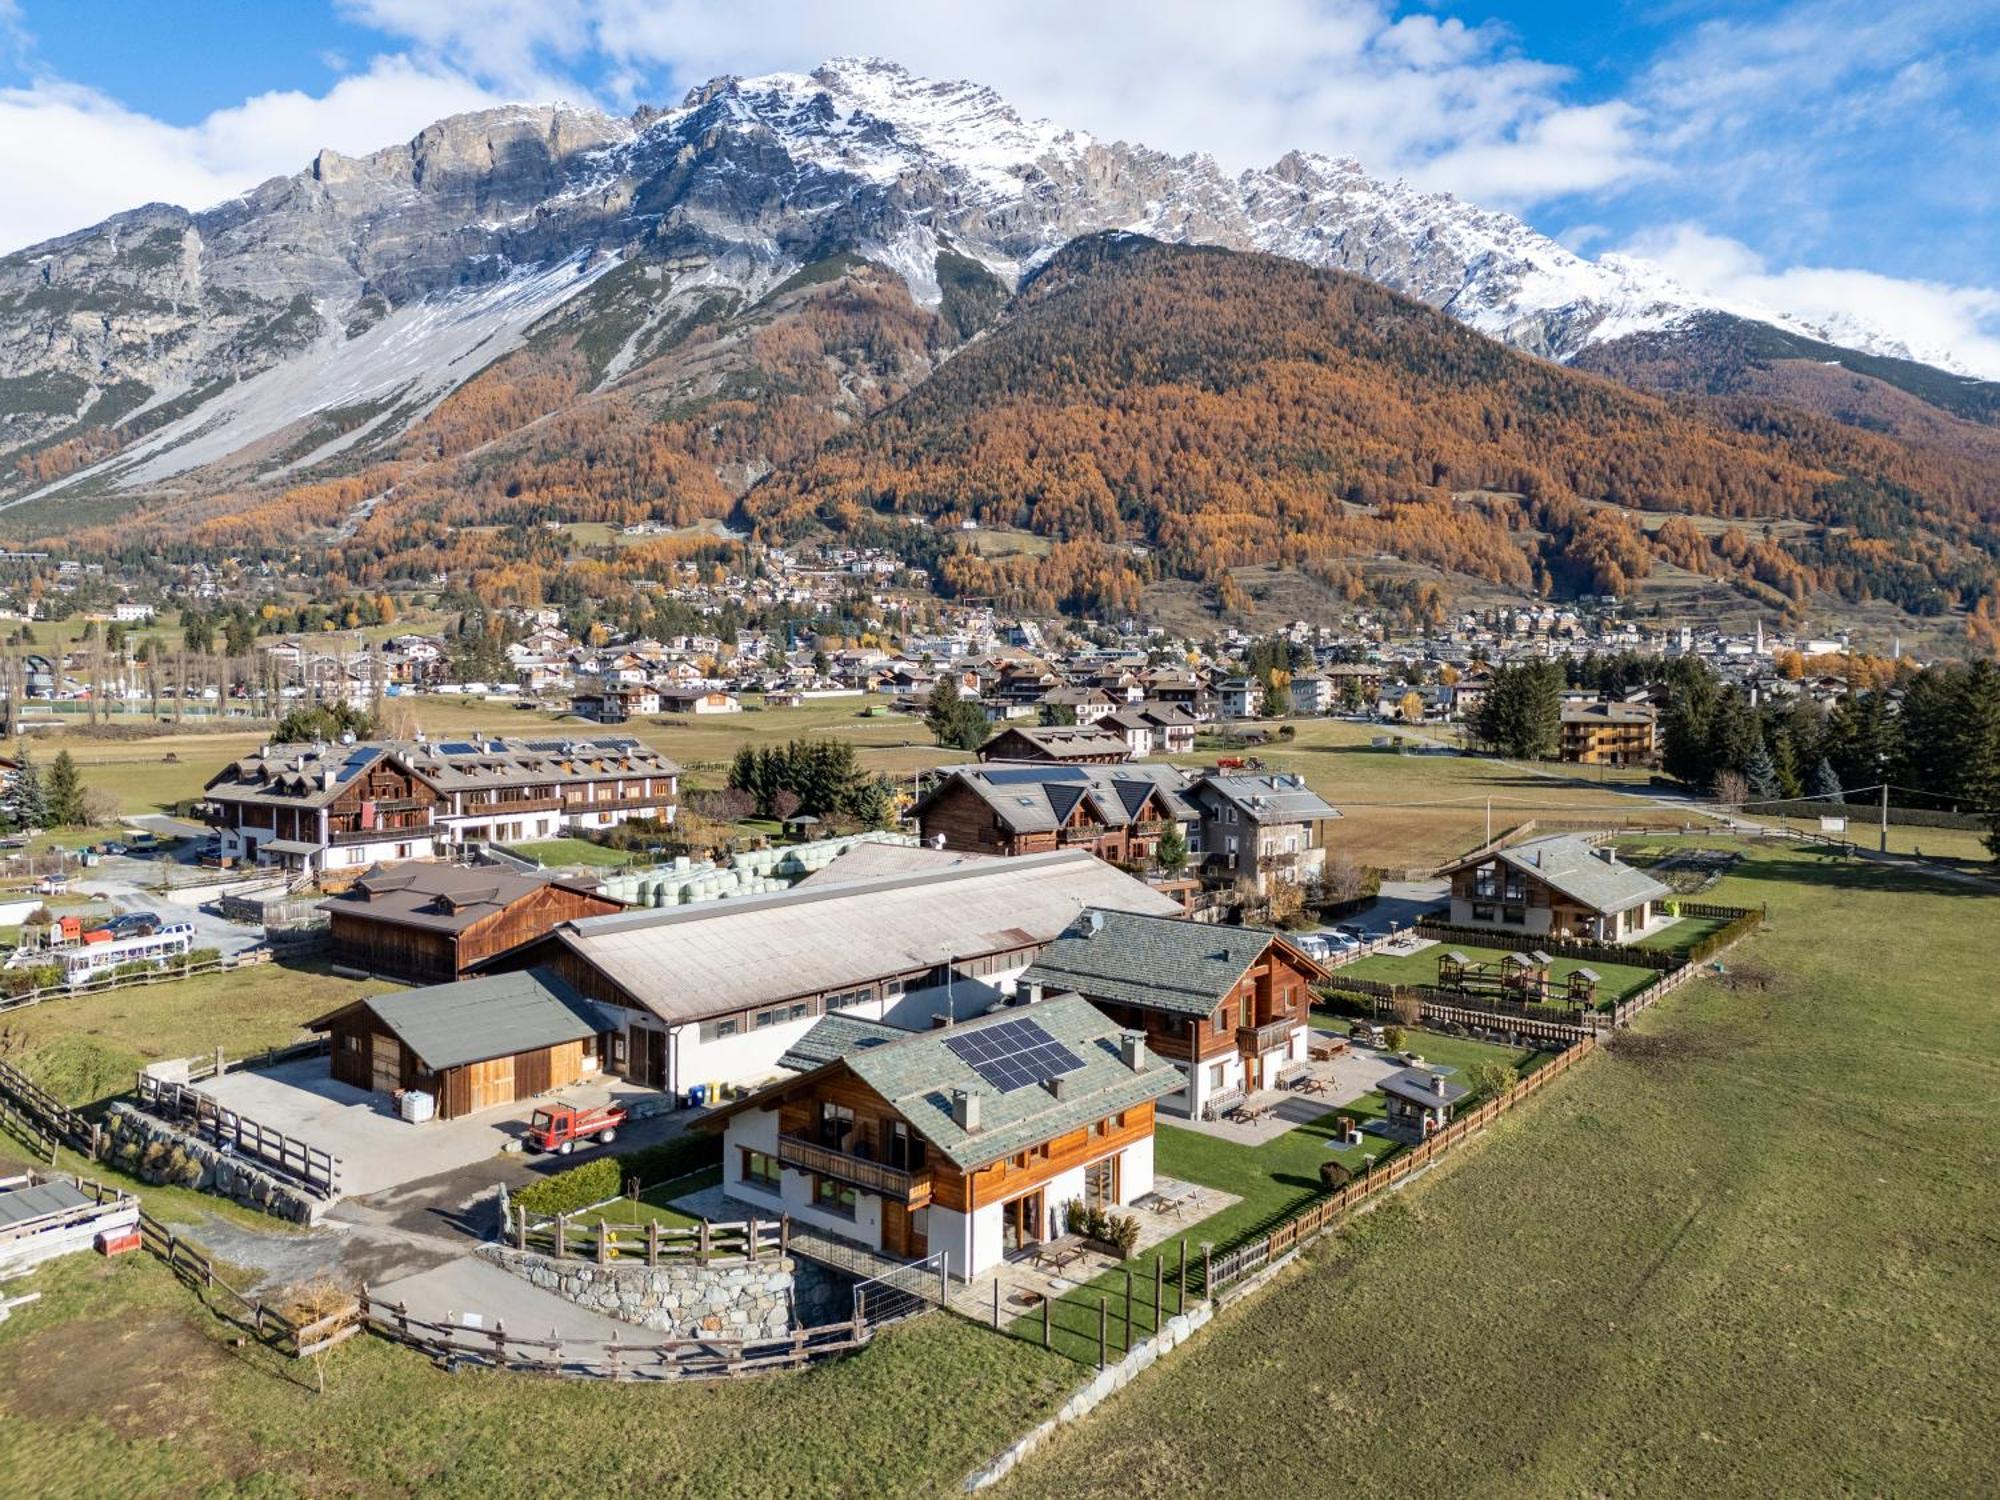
<point x="118" y="1383"/>
<point x="558" y="854"/>
<point x="1619" y="980"/>
<point x="1273" y="1182"/>
<point x="1400" y="810"/>
<point x="89" y="1047"/>
<point x="1741" y="1253"/>
<point x="163" y="770"/>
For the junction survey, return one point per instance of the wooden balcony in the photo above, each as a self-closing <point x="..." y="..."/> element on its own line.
<point x="874" y="1176"/>
<point x="1256" y="1040"/>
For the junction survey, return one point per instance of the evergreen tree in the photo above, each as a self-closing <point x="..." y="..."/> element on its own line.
<point x="1825" y="783"/>
<point x="954" y="722"/>
<point x="1762" y="775"/>
<point x="1691" y="694"/>
<point x="875" y="803"/>
<point x="1173" y="850"/>
<point x="1522" y="711"/>
<point x="64" y="792"/>
<point x="27" y="801"/>
<point x="1733" y="737"/>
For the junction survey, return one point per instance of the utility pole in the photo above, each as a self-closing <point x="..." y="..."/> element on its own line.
<point x="1885" y="817"/>
<point x="1489" y="820"/>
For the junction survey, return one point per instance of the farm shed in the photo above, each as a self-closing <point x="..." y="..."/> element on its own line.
<point x="43" y="1216"/>
<point x="470" y="1045"/>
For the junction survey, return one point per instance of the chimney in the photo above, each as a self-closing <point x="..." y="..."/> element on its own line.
<point x="965" y="1110"/>
<point x="1437" y="1084"/>
<point x="1132" y="1050"/>
<point x="1035" y="993"/>
<point x="1058" y="1086"/>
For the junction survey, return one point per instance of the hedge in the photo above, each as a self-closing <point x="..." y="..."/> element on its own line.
<point x="1724" y="935"/>
<point x="604" y="1177"/>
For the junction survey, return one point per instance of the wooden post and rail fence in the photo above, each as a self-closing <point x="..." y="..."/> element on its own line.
<point x="697" y="1358"/>
<point x="316" y="1170"/>
<point x="576" y="1237"/>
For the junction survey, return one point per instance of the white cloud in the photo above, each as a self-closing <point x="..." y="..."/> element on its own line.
<point x="1954" y="326"/>
<point x="1450" y="105"/>
<point x="70" y="156"/>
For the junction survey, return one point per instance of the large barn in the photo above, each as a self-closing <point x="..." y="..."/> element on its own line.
<point x="429" y="924"/>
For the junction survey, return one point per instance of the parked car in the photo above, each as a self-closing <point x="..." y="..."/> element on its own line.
<point x="135" y="924"/>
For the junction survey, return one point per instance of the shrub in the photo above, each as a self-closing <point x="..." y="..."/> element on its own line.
<point x="1124" y="1233"/>
<point x="1392" y="1038"/>
<point x="566" y="1192"/>
<point x="604" y="1178"/>
<point x="1075" y="1219"/>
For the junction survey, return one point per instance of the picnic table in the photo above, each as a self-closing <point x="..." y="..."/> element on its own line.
<point x="1315" y="1086"/>
<point x="1250" y="1114"/>
<point x="1324" y="1046"/>
<point x="1176" y="1203"/>
<point x="1058" y="1254"/>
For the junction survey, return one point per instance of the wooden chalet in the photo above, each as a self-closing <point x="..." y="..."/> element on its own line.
<point x="966" y="1141"/>
<point x="471" y="1045"/>
<point x="1058" y="744"/>
<point x="1119" y="812"/>
<point x="1230" y="1007"/>
<point x="1562" y="886"/>
<point x="429" y="924"/>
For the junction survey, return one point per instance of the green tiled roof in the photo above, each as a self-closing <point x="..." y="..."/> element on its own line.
<point x="1161" y="963"/>
<point x="918" y="1074"/>
<point x="836" y="1036"/>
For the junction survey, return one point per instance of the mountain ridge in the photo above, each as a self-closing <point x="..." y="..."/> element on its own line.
<point x="163" y="342"/>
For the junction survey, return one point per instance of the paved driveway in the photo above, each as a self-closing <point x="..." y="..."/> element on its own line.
<point x="377" y="1149"/>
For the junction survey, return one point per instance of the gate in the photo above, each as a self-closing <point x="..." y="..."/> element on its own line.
<point x="903" y="1292"/>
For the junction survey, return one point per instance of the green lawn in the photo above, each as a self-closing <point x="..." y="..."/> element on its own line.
<point x="118" y="1383"/>
<point x="1683" y="934"/>
<point x="85" y="1048"/>
<point x="1618" y="980"/>
<point x="1744" y="1252"/>
<point x="655" y="1202"/>
<point x="1274" y="1181"/>
<point x="559" y="853"/>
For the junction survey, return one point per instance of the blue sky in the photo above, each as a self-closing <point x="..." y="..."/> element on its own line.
<point x="1813" y="155"/>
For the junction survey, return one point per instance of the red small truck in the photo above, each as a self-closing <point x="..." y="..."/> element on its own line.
<point x="559" y="1127"/>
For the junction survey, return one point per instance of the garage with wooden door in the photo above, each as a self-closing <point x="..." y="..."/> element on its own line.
<point x="473" y="1045"/>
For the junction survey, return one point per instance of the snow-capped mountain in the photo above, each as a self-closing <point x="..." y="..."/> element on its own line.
<point x="360" y="291"/>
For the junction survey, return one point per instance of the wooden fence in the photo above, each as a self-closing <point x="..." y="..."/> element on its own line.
<point x="38" y="1114"/>
<point x="1219" y="1271"/>
<point x="125" y="981"/>
<point x="665" y="1359"/>
<point x="316" y="1170"/>
<point x="570" y="1237"/>
<point x="1555" y="947"/>
<point x="192" y="1265"/>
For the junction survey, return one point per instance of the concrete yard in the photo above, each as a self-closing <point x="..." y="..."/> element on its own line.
<point x="378" y="1150"/>
<point x="1355" y="1073"/>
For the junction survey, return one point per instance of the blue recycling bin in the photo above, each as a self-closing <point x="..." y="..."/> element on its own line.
<point x="698" y="1096"/>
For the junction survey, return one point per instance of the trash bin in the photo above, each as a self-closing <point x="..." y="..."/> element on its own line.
<point x="698" y="1096"/>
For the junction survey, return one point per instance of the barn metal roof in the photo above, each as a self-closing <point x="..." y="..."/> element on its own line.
<point x="448" y="1025"/>
<point x="689" y="963"/>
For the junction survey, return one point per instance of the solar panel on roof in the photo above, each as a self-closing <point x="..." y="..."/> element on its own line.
<point x="356" y="759"/>
<point x="545" y="745"/>
<point x="458" y="747"/>
<point x="1014" y="1054"/>
<point x="1035" y="775"/>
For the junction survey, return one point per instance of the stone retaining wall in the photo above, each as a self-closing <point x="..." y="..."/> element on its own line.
<point x="736" y="1299"/>
<point x="155" y="1151"/>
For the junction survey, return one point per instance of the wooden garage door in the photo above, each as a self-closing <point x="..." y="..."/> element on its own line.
<point x="492" y="1083"/>
<point x="387" y="1054"/>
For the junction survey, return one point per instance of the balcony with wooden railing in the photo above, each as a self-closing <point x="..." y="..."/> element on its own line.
<point x="1256" y="1040"/>
<point x="874" y="1176"/>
